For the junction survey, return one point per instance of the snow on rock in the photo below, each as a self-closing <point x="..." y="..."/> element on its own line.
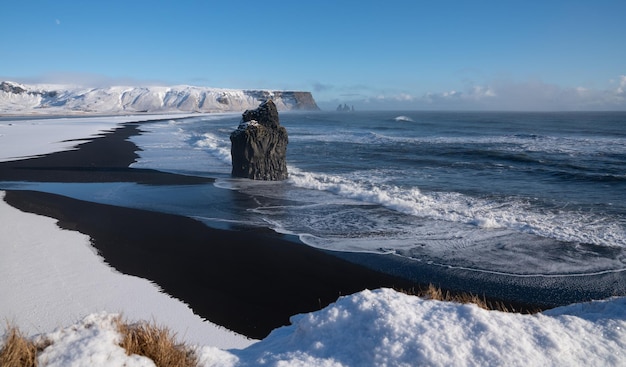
<point x="63" y="99"/>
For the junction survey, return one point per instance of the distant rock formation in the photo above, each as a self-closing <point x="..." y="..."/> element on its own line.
<point x="345" y="108"/>
<point x="259" y="145"/>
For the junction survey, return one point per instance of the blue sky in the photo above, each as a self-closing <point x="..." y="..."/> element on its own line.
<point x="509" y="55"/>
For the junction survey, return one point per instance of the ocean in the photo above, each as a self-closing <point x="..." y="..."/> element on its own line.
<point x="520" y="195"/>
<point x="511" y="193"/>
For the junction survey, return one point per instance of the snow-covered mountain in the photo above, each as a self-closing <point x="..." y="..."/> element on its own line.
<point x="18" y="98"/>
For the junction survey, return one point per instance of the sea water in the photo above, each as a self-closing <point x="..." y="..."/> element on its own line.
<point x="521" y="194"/>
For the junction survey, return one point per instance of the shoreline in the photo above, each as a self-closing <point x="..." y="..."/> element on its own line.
<point x="249" y="280"/>
<point x="104" y="158"/>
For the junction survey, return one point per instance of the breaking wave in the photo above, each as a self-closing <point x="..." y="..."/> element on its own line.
<point x="403" y="118"/>
<point x="513" y="214"/>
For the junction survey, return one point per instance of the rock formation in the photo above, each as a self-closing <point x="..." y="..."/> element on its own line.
<point x="259" y="145"/>
<point x="345" y="108"/>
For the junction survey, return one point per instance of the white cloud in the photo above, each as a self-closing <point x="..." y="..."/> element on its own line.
<point x="621" y="90"/>
<point x="480" y="92"/>
<point x="507" y="94"/>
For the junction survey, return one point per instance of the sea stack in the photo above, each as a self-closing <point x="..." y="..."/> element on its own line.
<point x="259" y="145"/>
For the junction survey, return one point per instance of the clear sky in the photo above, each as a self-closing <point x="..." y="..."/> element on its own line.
<point x="444" y="54"/>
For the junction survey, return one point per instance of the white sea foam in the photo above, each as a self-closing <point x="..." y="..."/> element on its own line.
<point x="454" y="207"/>
<point x="515" y="143"/>
<point x="217" y="147"/>
<point x="170" y="146"/>
<point x="403" y="118"/>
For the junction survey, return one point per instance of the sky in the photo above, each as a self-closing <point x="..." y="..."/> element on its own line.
<point x="494" y="55"/>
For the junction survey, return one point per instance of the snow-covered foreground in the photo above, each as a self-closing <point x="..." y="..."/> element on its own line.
<point x="387" y="328"/>
<point x="51" y="278"/>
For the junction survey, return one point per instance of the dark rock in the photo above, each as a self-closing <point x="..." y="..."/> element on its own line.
<point x="345" y="108"/>
<point x="259" y="145"/>
<point x="11" y="88"/>
<point x="223" y="99"/>
<point x="304" y="101"/>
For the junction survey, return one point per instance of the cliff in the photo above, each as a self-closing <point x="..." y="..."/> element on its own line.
<point x="60" y="99"/>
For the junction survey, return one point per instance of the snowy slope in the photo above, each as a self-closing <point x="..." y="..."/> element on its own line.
<point x="387" y="328"/>
<point x="62" y="99"/>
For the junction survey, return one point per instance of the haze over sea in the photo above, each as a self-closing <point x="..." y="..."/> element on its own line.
<point x="493" y="193"/>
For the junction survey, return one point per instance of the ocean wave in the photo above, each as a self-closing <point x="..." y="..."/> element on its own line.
<point x="214" y="145"/>
<point x="573" y="147"/>
<point x="513" y="214"/>
<point x="403" y="118"/>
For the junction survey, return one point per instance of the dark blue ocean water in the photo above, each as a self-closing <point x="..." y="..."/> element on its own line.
<point x="512" y="193"/>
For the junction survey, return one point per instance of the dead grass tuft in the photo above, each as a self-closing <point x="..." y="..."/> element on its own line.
<point x="436" y="293"/>
<point x="18" y="351"/>
<point x="145" y="339"/>
<point x="156" y="343"/>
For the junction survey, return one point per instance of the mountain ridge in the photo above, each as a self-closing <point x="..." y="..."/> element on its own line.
<point x="17" y="98"/>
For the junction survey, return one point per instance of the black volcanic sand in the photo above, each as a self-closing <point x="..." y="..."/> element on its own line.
<point x="250" y="280"/>
<point x="103" y="159"/>
<point x="247" y="281"/>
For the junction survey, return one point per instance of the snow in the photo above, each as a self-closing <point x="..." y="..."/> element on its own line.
<point x="387" y="328"/>
<point x="52" y="277"/>
<point x="46" y="99"/>
<point x="92" y="342"/>
<point x="33" y="137"/>
<point x="54" y="286"/>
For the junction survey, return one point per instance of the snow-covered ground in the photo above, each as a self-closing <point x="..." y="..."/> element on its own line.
<point x="52" y="278"/>
<point x="32" y="137"/>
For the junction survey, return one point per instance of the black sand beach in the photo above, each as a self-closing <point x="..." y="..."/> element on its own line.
<point x="249" y="280"/>
<point x="103" y="159"/>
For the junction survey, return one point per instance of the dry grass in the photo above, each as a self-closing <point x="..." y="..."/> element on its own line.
<point x="145" y="339"/>
<point x="156" y="343"/>
<point x="18" y="351"/>
<point x="436" y="293"/>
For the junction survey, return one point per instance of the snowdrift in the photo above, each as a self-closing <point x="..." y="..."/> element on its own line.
<point x="388" y="328"/>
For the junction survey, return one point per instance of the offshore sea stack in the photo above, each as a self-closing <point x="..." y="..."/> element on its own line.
<point x="259" y="145"/>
